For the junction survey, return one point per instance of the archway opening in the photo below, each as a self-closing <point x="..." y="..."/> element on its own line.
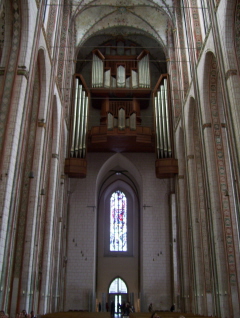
<point x="118" y="296"/>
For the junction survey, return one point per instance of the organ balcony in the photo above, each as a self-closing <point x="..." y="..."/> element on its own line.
<point x="120" y="129"/>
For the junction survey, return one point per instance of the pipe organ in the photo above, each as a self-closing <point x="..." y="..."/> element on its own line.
<point x="143" y="72"/>
<point x="97" y="69"/>
<point x="163" y="144"/>
<point x="122" y="115"/>
<point x="112" y="72"/>
<point x="75" y="165"/>
<point x="166" y="165"/>
<point x="79" y="127"/>
<point x="120" y="90"/>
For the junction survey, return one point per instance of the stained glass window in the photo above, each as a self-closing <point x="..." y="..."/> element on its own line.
<point x="118" y="222"/>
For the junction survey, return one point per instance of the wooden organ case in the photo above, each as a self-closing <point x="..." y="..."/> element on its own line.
<point x="120" y="89"/>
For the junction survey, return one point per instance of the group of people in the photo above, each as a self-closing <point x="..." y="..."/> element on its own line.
<point x="124" y="309"/>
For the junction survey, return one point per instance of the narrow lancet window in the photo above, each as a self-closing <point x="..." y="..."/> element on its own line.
<point x="118" y="222"/>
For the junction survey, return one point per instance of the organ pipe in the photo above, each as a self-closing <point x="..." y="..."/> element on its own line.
<point x="97" y="72"/>
<point x="160" y="123"/>
<point x="84" y="128"/>
<point x="78" y="120"/>
<point x="121" y="74"/>
<point x="125" y="76"/>
<point x="157" y="123"/>
<point x="79" y="126"/>
<point x="121" y="119"/>
<point x="163" y="138"/>
<point x="167" y="118"/>
<point x="81" y="123"/>
<point x="143" y="72"/>
<point x="134" y="79"/>
<point x="165" y="146"/>
<point x="74" y="118"/>
<point x="107" y="79"/>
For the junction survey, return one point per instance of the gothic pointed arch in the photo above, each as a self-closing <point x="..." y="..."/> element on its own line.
<point x="118" y="225"/>
<point x="218" y="182"/>
<point x="118" y="285"/>
<point x="29" y="214"/>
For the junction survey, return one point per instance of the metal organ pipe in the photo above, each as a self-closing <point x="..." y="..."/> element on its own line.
<point x="97" y="72"/>
<point x="121" y="75"/>
<point x="162" y="122"/>
<point x="121" y="119"/>
<point x="85" y="126"/>
<point x="74" y="118"/>
<point x="143" y="72"/>
<point x="167" y="118"/>
<point x="134" y="79"/>
<point x="107" y="79"/>
<point x="80" y="144"/>
<point x="157" y="126"/>
<point x="80" y="118"/>
<point x="79" y="108"/>
<point x="93" y="71"/>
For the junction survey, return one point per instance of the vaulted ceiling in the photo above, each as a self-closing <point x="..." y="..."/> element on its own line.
<point x="144" y="22"/>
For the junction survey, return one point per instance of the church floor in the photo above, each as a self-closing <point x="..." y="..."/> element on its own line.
<point x="108" y="315"/>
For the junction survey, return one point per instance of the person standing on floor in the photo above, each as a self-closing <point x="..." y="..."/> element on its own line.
<point x="150" y="307"/>
<point x="112" y="308"/>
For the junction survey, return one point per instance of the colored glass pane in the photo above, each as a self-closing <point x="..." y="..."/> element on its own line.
<point x="118" y="222"/>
